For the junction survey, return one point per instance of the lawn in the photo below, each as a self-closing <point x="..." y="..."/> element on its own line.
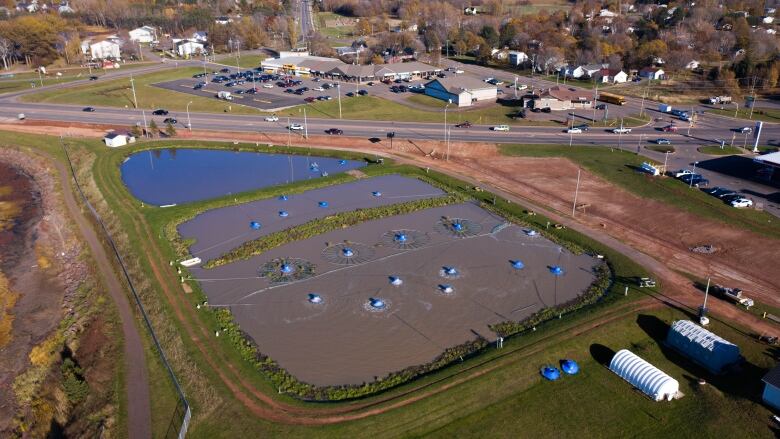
<point x="717" y="150"/>
<point x="24" y="81"/>
<point x="614" y="166"/>
<point x="332" y="31"/>
<point x="762" y="114"/>
<point x="509" y="400"/>
<point x="244" y="61"/>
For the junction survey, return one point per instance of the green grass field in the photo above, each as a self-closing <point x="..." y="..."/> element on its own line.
<point x="244" y="61"/>
<point x="717" y="150"/>
<point x="24" y="81"/>
<point x="332" y="31"/>
<point x="762" y="114"/>
<point x="615" y="166"/>
<point x="506" y="397"/>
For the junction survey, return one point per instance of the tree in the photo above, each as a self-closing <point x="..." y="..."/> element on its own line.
<point x="135" y="130"/>
<point x="490" y="35"/>
<point x="5" y="51"/>
<point x="292" y="32"/>
<point x="363" y="27"/>
<point x="153" y="129"/>
<point x="170" y="130"/>
<point x="484" y="53"/>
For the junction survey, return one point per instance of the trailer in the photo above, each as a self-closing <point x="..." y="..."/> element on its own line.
<point x="225" y="95"/>
<point x="733" y="294"/>
<point x="664" y="108"/>
<point x="719" y="100"/>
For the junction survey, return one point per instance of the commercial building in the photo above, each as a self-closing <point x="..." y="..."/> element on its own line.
<point x="771" y="395"/>
<point x="461" y="90"/>
<point x="303" y="64"/>
<point x="768" y="167"/>
<point x="644" y="376"/>
<point x="560" y="98"/>
<point x="702" y="346"/>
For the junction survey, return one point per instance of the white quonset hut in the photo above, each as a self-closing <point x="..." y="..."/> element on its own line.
<point x="702" y="346"/>
<point x="644" y="376"/>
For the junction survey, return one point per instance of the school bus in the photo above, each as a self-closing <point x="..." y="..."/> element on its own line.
<point x="612" y="99"/>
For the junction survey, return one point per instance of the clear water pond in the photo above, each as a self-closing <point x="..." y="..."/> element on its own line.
<point x="176" y="176"/>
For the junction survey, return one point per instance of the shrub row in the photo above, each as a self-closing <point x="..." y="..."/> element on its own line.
<point x="597" y="289"/>
<point x="323" y="225"/>
<point x="287" y="383"/>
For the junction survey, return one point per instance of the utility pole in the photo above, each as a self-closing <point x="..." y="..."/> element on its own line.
<point x="146" y="127"/>
<point x="666" y="158"/>
<point x="449" y="134"/>
<point x="445" y="119"/>
<point x="753" y="101"/>
<point x="644" y="95"/>
<point x="132" y="85"/>
<point x="289" y="132"/>
<point x="305" y="124"/>
<point x="595" y="99"/>
<point x="40" y="77"/>
<point x="576" y="192"/>
<point x="189" y="123"/>
<point x="338" y="87"/>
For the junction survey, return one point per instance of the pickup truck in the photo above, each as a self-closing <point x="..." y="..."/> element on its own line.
<point x="621" y="130"/>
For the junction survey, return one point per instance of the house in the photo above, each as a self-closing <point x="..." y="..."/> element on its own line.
<point x="516" y="58"/>
<point x="692" y="65"/>
<point x="499" y="54"/>
<point x="472" y="10"/>
<point x="583" y="71"/>
<point x="461" y="90"/>
<point x="651" y="73"/>
<point x="114" y="140"/>
<point x="223" y="20"/>
<point x="562" y="98"/>
<point x="65" y="8"/>
<point x="143" y="34"/>
<point x="102" y="49"/>
<point x="611" y="76"/>
<point x="31" y="7"/>
<point x="607" y="13"/>
<point x="200" y="36"/>
<point x="770" y="11"/>
<point x="771" y="395"/>
<point x="187" y="48"/>
<point x="768" y="20"/>
<point x="346" y="50"/>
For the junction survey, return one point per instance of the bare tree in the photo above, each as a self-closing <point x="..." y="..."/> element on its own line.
<point x="5" y="51"/>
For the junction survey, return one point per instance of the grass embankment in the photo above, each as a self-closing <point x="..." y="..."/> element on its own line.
<point x="717" y="150"/>
<point x="512" y="379"/>
<point x="31" y="80"/>
<point x="245" y="62"/>
<point x="620" y="168"/>
<point x="762" y="114"/>
<point x="661" y="148"/>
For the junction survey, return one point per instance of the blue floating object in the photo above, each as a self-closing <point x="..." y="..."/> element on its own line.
<point x="394" y="280"/>
<point x="401" y="237"/>
<point x="376" y="303"/>
<point x="556" y="270"/>
<point x="285" y="268"/>
<point x="283" y="198"/>
<point x="283" y="213"/>
<point x="315" y="298"/>
<point x="458" y="227"/>
<point x="450" y="271"/>
<point x="254" y="225"/>
<point x="376" y="193"/>
<point x="517" y="265"/>
<point x="570" y="367"/>
<point x="347" y="252"/>
<point x="550" y="373"/>
<point x="446" y="289"/>
<point x="342" y="162"/>
<point x="323" y="204"/>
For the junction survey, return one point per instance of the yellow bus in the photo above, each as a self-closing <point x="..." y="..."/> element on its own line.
<point x="612" y="99"/>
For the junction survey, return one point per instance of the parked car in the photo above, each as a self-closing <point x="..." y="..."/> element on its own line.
<point x="500" y="128"/>
<point x="363" y="92"/>
<point x="682" y="173"/>
<point x="272" y="118"/>
<point x="225" y="70"/>
<point x="198" y="75"/>
<point x="93" y="78"/>
<point x="289" y="90"/>
<point x="464" y="124"/>
<point x="268" y="85"/>
<point x="662" y="141"/>
<point x="350" y="94"/>
<point x="319" y="89"/>
<point x="573" y="131"/>
<point x="170" y="120"/>
<point x="720" y="192"/>
<point x="89" y="109"/>
<point x="741" y="202"/>
<point x="334" y="131"/>
<point x="695" y="180"/>
<point x="458" y="72"/>
<point x="160" y="112"/>
<point x="325" y="98"/>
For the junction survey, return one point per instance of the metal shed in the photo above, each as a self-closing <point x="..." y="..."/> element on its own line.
<point x="702" y="346"/>
<point x="644" y="376"/>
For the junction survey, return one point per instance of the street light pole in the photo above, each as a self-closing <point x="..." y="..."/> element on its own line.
<point x="146" y="128"/>
<point x="338" y="87"/>
<point x="666" y="158"/>
<point x="189" y="123"/>
<point x="305" y="124"/>
<point x="445" y="119"/>
<point x="289" y="132"/>
<point x="576" y="192"/>
<point x="132" y="85"/>
<point x="449" y="133"/>
<point x="690" y="183"/>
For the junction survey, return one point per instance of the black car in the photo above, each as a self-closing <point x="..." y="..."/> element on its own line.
<point x="289" y="90"/>
<point x="695" y="180"/>
<point x="170" y="120"/>
<point x="198" y="75"/>
<point x="225" y="70"/>
<point x="350" y="94"/>
<point x="583" y="127"/>
<point x="363" y="92"/>
<point x="730" y="197"/>
<point x="334" y="131"/>
<point x="720" y="192"/>
<point x="231" y="84"/>
<point x="89" y="109"/>
<point x="217" y="81"/>
<point x="93" y="78"/>
<point x="160" y="112"/>
<point x="601" y="106"/>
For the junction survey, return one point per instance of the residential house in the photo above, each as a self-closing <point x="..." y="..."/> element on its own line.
<point x="611" y="76"/>
<point x="499" y="54"/>
<point x="65" y="8"/>
<point x="472" y="10"/>
<point x="223" y="20"/>
<point x="200" y="36"/>
<point x="560" y="98"/>
<point x="582" y="72"/>
<point x="517" y="58"/>
<point x="143" y="34"/>
<point x="105" y="49"/>
<point x="768" y="20"/>
<point x="461" y="90"/>
<point x="651" y="73"/>
<point x="187" y="48"/>
<point x="692" y="65"/>
<point x="114" y="140"/>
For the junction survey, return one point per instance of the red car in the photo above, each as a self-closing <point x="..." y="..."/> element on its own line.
<point x="465" y="124"/>
<point x="334" y="131"/>
<point x="310" y="99"/>
<point x="670" y="129"/>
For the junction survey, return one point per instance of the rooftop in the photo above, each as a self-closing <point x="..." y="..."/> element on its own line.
<point x="457" y="83"/>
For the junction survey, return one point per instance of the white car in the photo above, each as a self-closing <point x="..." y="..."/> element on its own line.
<point x="295" y="127"/>
<point x="741" y="202"/>
<point x="682" y="173"/>
<point x="621" y="130"/>
<point x="501" y="128"/>
<point x="319" y="89"/>
<point x="574" y="131"/>
<point x="458" y="72"/>
<point x="267" y="85"/>
<point x="273" y="118"/>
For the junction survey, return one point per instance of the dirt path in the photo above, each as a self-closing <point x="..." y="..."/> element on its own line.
<point x="136" y="380"/>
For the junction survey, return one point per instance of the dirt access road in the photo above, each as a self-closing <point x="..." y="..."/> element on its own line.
<point x="139" y="413"/>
